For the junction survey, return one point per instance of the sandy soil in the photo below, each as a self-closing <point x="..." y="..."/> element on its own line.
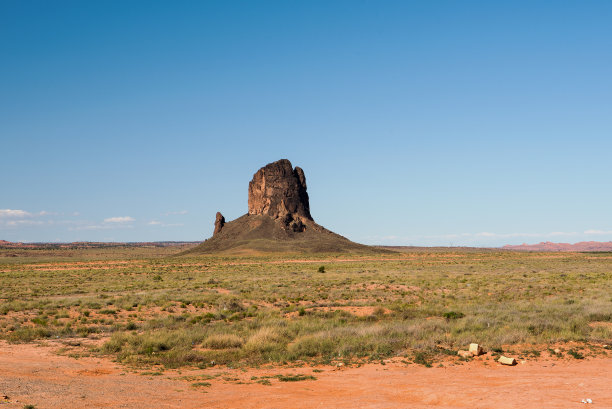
<point x="357" y="311"/>
<point x="31" y="374"/>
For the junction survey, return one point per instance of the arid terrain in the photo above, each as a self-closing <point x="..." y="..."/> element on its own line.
<point x="112" y="328"/>
<point x="37" y="375"/>
<point x="305" y="204"/>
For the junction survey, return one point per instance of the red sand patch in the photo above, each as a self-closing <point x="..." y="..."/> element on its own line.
<point x="355" y="310"/>
<point x="30" y="374"/>
<point x="94" y="372"/>
<point x="222" y="290"/>
<point x="603" y="324"/>
<point x="392" y="287"/>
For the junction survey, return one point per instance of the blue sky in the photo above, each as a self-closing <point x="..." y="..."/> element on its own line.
<point x="417" y="123"/>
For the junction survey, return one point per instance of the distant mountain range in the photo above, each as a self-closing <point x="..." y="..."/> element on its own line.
<point x="549" y="246"/>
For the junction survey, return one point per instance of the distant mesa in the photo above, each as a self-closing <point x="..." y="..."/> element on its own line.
<point x="583" y="246"/>
<point x="278" y="219"/>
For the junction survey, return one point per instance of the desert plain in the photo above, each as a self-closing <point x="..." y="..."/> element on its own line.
<point x="141" y="327"/>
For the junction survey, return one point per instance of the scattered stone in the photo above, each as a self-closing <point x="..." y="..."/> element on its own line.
<point x="464" y="354"/>
<point x="219" y="223"/>
<point x="506" y="361"/>
<point x="557" y="351"/>
<point x="587" y="400"/>
<point x="476" y="349"/>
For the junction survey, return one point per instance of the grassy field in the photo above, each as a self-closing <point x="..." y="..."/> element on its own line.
<point x="147" y="307"/>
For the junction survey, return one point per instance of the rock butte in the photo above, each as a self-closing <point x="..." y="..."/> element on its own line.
<point x="279" y="191"/>
<point x="278" y="219"/>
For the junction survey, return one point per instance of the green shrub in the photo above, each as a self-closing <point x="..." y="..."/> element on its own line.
<point x="575" y="354"/>
<point x="453" y="315"/>
<point x="422" y="358"/>
<point x="295" y="378"/>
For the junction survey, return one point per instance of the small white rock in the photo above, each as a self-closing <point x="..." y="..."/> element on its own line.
<point x="475" y="349"/>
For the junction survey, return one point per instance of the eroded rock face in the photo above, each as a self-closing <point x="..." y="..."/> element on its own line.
<point x="219" y="223"/>
<point x="279" y="191"/>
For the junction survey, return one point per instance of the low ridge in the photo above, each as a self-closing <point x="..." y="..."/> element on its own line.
<point x="583" y="246"/>
<point x="278" y="220"/>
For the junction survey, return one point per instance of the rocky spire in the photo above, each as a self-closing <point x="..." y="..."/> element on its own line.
<point x="279" y="191"/>
<point x="219" y="223"/>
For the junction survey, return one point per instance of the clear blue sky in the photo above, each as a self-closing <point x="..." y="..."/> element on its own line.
<point x="423" y="123"/>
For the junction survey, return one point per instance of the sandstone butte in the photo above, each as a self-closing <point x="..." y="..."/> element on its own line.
<point x="278" y="220"/>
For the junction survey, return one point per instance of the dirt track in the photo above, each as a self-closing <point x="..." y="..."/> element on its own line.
<point x="31" y="374"/>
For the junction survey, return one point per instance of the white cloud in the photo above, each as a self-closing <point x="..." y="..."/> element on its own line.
<point x="121" y="219"/>
<point x="102" y="227"/>
<point x="478" y="238"/>
<point x="24" y="223"/>
<point x="119" y="222"/>
<point x="14" y="218"/>
<point x="160" y="224"/>
<point x="14" y="214"/>
<point x="597" y="232"/>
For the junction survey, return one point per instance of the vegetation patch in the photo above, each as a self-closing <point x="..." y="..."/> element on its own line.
<point x="295" y="378"/>
<point x="575" y="354"/>
<point x="256" y="310"/>
<point x="200" y="384"/>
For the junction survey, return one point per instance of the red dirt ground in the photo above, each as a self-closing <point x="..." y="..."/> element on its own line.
<point x="32" y="374"/>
